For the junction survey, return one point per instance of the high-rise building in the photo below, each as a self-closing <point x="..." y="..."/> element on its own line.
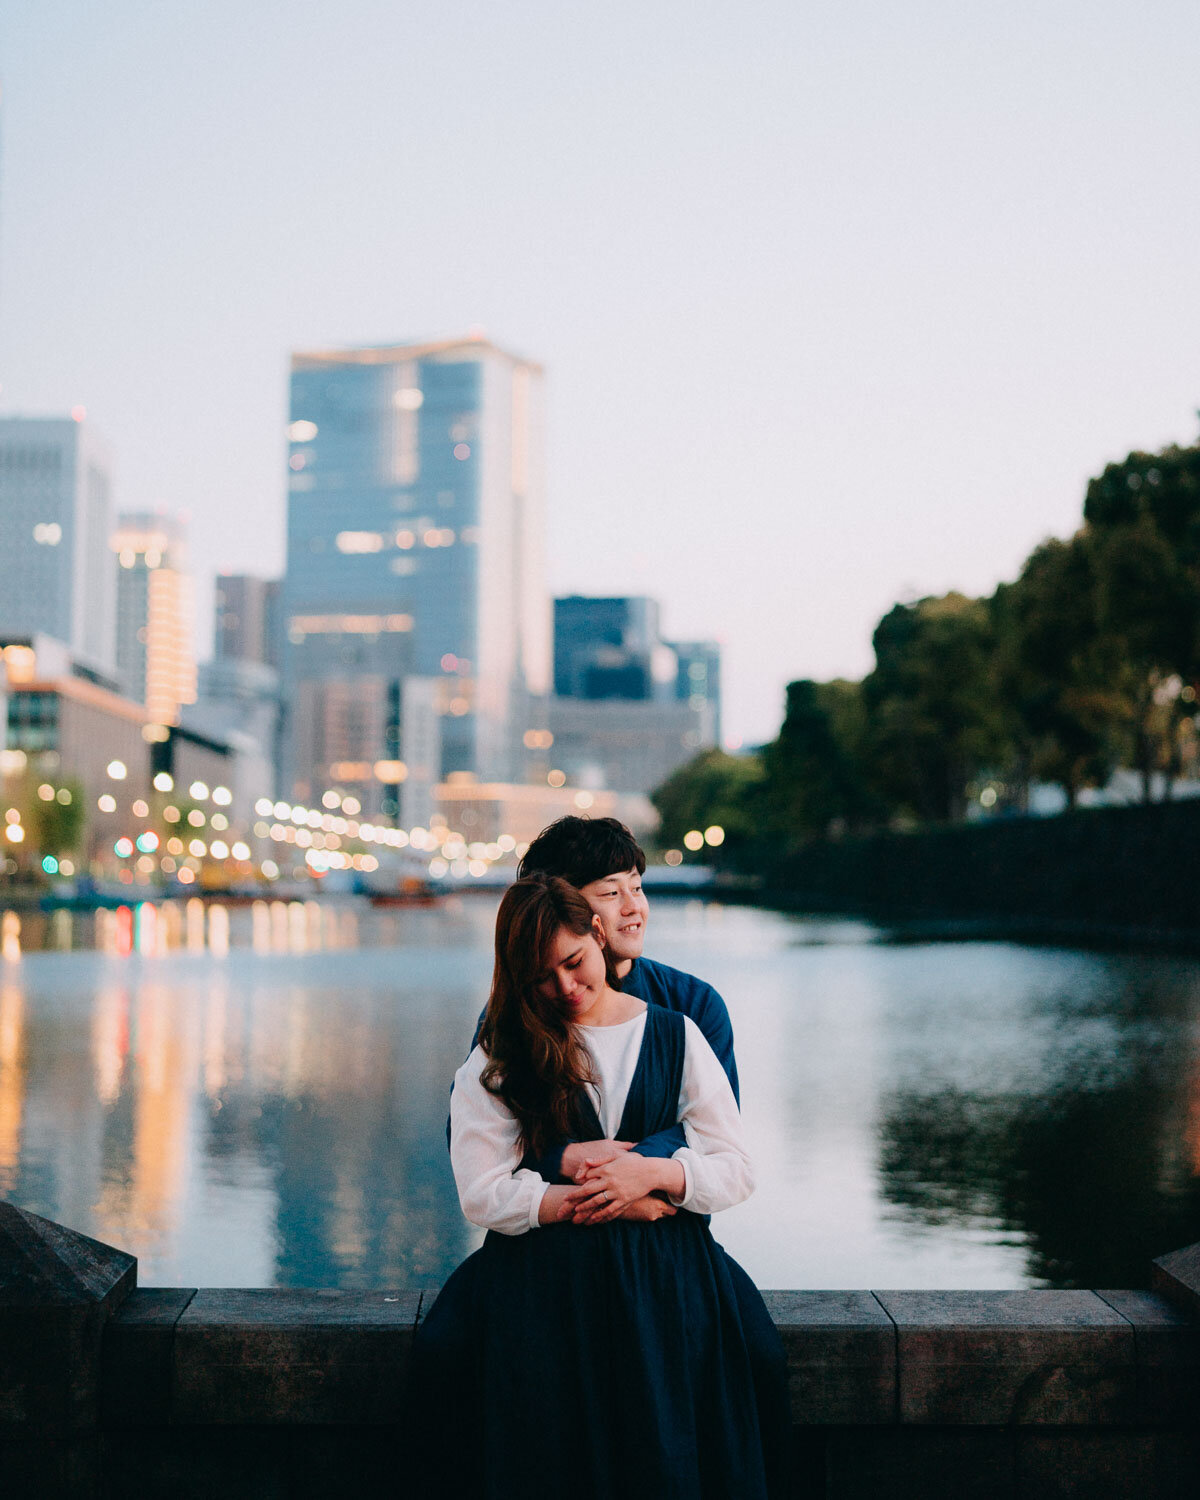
<point x="247" y="619"/>
<point x="56" y="517"/>
<point x="155" y="659"/>
<point x="698" y="682"/>
<point x="414" y="557"/>
<point x="610" y="648"/>
<point x="629" y="707"/>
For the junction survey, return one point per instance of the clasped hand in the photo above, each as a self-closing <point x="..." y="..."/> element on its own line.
<point x="614" y="1183"/>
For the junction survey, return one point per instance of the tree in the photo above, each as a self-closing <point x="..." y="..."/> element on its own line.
<point x="1143" y="523"/>
<point x="1057" y="671"/>
<point x="815" y="780"/>
<point x="712" y="788"/>
<point x="57" y="823"/>
<point x="935" y="717"/>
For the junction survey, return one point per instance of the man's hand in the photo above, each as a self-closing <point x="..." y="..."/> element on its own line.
<point x="647" y="1210"/>
<point x="580" y="1155"/>
<point x="608" y="1188"/>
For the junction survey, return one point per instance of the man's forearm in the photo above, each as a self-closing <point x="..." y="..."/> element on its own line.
<point x="665" y="1143"/>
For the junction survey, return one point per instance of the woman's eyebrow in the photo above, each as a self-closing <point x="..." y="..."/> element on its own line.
<point x="546" y="973"/>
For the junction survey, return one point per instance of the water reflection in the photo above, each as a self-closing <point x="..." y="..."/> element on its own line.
<point x="256" y="1094"/>
<point x="1095" y="1167"/>
<point x="195" y="925"/>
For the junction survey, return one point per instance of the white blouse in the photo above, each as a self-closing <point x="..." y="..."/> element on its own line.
<point x="484" y="1136"/>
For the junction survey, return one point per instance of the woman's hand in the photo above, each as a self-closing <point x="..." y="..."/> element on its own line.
<point x="606" y="1190"/>
<point x="580" y="1155"/>
<point x="647" y="1210"/>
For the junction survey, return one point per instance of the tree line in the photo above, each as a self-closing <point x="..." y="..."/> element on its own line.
<point x="1088" y="662"/>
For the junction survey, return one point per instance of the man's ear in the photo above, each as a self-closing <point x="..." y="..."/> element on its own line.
<point x="598" y="931"/>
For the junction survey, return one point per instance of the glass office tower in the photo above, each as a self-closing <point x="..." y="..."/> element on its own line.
<point x="414" y="596"/>
<point x="56" y="517"/>
<point x="155" y="658"/>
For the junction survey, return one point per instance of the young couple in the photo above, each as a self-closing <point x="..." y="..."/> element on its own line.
<point x="600" y="1343"/>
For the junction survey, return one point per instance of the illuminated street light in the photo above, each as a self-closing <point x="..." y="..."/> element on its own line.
<point x="117" y="770"/>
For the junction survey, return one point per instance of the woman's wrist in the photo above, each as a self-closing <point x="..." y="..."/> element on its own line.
<point x="554" y="1200"/>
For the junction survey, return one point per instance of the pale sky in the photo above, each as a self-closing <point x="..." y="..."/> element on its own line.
<point x="839" y="302"/>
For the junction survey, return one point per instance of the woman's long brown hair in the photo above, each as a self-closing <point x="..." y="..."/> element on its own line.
<point x="536" y="1064"/>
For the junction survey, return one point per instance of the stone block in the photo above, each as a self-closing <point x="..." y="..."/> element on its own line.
<point x="139" y="1347"/>
<point x="51" y="1468"/>
<point x="57" y="1291"/>
<point x="1106" y="1464"/>
<point x="256" y="1463"/>
<point x="1167" y="1345"/>
<point x="919" y="1463"/>
<point x="268" y="1356"/>
<point x="1177" y="1277"/>
<point x="841" y="1351"/>
<point x="1012" y="1357"/>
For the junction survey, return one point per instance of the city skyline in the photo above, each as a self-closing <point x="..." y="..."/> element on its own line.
<point x="836" y="306"/>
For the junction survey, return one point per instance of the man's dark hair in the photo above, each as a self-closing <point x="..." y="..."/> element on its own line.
<point x="582" y="850"/>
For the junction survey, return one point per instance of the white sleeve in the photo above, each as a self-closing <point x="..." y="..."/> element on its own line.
<point x="716" y="1167"/>
<point x="484" y="1152"/>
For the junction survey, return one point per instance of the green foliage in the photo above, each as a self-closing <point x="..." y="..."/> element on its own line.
<point x="1143" y="523"/>
<point x="815" y="780"/>
<point x="1057" y="672"/>
<point x="935" y="717"/>
<point x="712" y="787"/>
<point x="57" y="826"/>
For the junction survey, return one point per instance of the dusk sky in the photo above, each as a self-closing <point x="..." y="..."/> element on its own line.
<point x="838" y="303"/>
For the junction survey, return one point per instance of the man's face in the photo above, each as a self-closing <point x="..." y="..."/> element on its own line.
<point x="618" y="901"/>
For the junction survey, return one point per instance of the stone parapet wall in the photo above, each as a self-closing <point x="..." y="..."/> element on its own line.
<point x="265" y="1393"/>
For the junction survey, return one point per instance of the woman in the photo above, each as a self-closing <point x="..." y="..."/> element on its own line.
<point x="606" y="1352"/>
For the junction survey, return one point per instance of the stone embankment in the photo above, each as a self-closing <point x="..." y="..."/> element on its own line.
<point x="110" y="1390"/>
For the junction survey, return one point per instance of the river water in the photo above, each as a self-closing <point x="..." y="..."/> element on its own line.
<point x="257" y="1096"/>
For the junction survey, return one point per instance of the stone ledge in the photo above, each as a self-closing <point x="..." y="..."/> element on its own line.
<point x="1001" y="1358"/>
<point x="139" y="1353"/>
<point x="855" y="1359"/>
<point x="265" y="1356"/>
<point x="841" y="1349"/>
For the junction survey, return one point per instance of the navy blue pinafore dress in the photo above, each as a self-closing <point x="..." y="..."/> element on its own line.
<point x="599" y="1362"/>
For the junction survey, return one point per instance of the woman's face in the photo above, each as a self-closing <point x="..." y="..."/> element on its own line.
<point x="575" y="974"/>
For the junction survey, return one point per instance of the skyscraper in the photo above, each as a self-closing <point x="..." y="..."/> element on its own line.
<point x="414" y="564"/>
<point x="56" y="517"/>
<point x="609" y="648"/>
<point x="629" y="707"/>
<point x="247" y="610"/>
<point x="698" y="683"/>
<point x="155" y="659"/>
